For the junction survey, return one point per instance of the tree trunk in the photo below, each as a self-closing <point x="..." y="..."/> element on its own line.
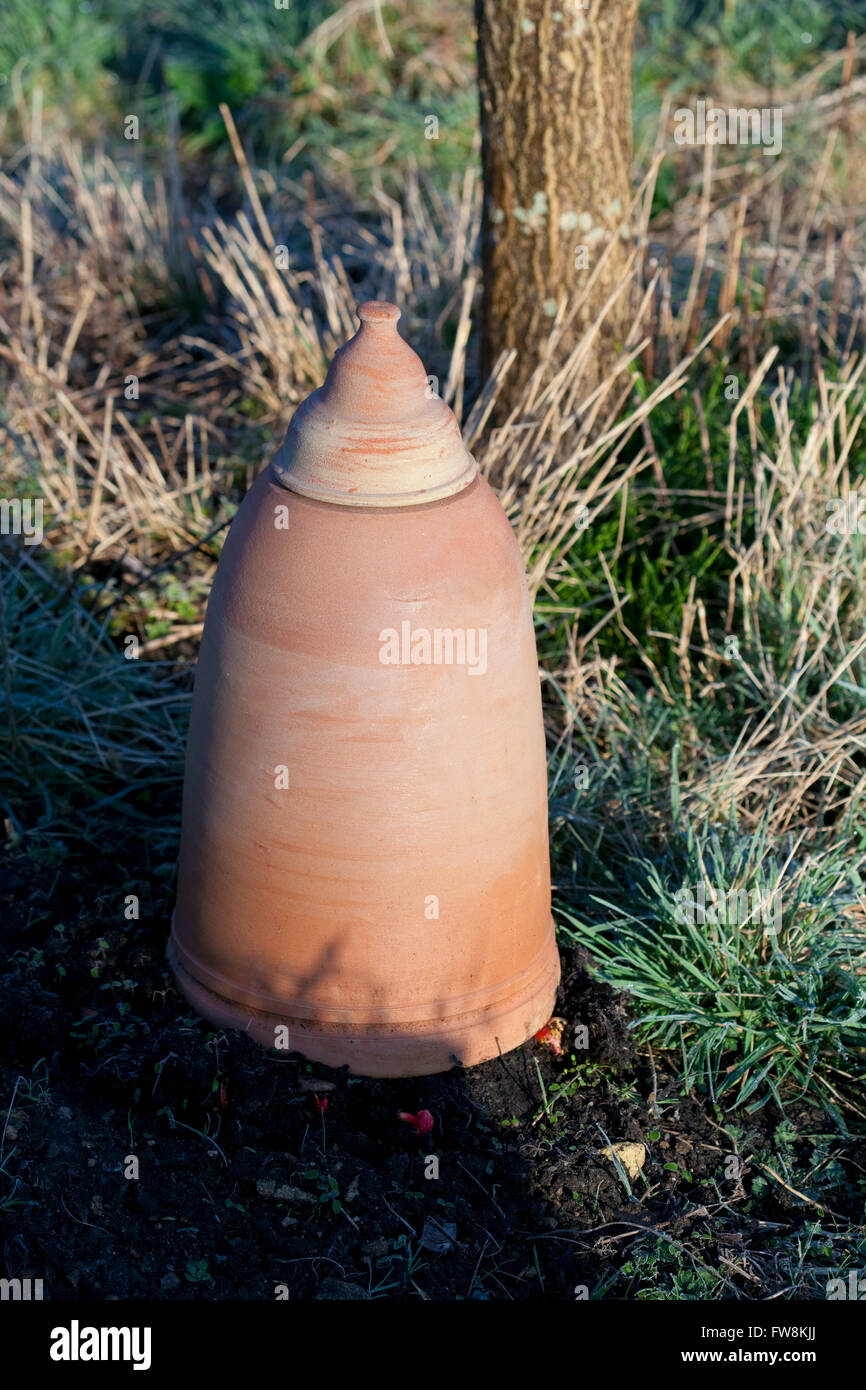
<point x="555" y="87"/>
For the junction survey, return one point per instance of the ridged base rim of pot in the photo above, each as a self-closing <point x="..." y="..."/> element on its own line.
<point x="392" y="1050"/>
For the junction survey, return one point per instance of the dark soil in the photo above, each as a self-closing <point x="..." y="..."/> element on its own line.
<point x="246" y="1189"/>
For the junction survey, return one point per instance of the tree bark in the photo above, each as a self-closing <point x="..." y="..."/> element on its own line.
<point x="555" y="90"/>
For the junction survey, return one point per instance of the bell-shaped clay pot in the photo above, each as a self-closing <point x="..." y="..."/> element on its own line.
<point x="364" y="873"/>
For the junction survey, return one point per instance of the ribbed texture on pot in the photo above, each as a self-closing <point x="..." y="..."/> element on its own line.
<point x="375" y="434"/>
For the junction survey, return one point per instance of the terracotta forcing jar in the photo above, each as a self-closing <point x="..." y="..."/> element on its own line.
<point x="364" y="873"/>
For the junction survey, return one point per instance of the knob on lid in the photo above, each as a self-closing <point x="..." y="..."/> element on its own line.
<point x="374" y="434"/>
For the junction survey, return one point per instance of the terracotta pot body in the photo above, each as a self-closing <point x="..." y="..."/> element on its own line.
<point x="364" y="872"/>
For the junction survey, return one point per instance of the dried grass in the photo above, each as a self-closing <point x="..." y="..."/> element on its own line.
<point x="134" y="483"/>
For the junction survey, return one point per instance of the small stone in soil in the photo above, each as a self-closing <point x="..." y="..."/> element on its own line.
<point x="294" y="1194"/>
<point x="438" y="1236"/>
<point x="631" y="1156"/>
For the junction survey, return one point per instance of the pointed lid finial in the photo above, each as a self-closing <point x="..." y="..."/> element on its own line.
<point x="375" y="434"/>
<point x="377" y="311"/>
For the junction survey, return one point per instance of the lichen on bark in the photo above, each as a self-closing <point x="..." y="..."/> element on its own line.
<point x="555" y="94"/>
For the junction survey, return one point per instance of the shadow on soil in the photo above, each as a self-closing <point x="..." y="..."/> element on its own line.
<point x="244" y="1185"/>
